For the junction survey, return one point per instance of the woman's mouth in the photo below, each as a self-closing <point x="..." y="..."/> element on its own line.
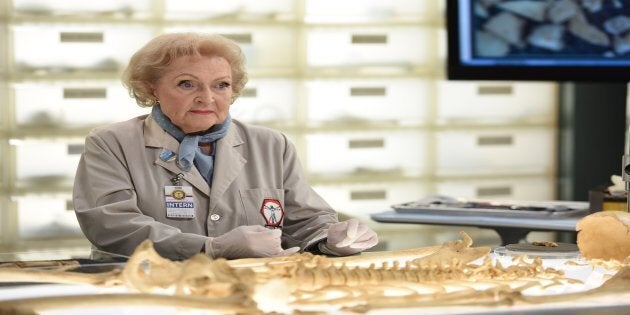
<point x="202" y="111"/>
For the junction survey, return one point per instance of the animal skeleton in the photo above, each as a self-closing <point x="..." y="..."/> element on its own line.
<point x="431" y="276"/>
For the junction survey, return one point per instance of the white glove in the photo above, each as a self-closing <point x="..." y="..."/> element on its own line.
<point x="248" y="241"/>
<point x="348" y="238"/>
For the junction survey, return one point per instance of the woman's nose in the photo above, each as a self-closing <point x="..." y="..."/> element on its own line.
<point x="206" y="96"/>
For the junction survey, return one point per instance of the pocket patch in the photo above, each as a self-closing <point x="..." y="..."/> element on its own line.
<point x="273" y="213"/>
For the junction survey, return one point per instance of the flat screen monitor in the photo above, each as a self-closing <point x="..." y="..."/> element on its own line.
<point x="550" y="40"/>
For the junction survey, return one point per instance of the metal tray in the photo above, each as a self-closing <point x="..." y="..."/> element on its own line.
<point x="504" y="208"/>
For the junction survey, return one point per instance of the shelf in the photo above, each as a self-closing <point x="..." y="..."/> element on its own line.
<point x="45" y="244"/>
<point x="23" y="132"/>
<point x="375" y="71"/>
<point x="347" y="72"/>
<point x="41" y="187"/>
<point x="375" y="177"/>
<point x="60" y="75"/>
<point x="366" y="82"/>
<point x="226" y="19"/>
<point x="360" y="125"/>
<point x="57" y="131"/>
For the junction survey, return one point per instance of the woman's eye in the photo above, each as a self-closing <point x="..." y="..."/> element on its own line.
<point x="187" y="84"/>
<point x="223" y="85"/>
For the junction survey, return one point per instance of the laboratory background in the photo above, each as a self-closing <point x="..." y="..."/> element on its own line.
<point x="359" y="86"/>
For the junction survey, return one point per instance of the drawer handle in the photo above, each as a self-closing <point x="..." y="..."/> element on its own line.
<point x="74" y="149"/>
<point x="495" y="140"/>
<point x="81" y="37"/>
<point x="368" y="91"/>
<point x="368" y="195"/>
<point x="494" y="90"/>
<point x="494" y="191"/>
<point x="369" y="39"/>
<point x="244" y="38"/>
<point x="73" y="93"/>
<point x="249" y="92"/>
<point x="366" y="143"/>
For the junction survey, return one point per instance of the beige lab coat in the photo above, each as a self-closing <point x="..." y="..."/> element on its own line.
<point x="119" y="186"/>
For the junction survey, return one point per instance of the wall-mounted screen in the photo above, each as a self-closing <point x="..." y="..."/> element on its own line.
<point x="559" y="40"/>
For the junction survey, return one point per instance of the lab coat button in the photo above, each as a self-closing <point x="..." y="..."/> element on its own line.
<point x="215" y="217"/>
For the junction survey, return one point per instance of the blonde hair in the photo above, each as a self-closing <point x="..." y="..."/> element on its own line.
<point x="147" y="65"/>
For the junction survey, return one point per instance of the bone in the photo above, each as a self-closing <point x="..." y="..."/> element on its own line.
<point x="310" y="283"/>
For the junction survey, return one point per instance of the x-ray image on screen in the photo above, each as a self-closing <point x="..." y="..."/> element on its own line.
<point x="541" y="32"/>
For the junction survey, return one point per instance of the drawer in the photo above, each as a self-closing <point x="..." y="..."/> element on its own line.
<point x="266" y="101"/>
<point x="321" y="11"/>
<point x="361" y="200"/>
<point x="504" y="151"/>
<point x="401" y="101"/>
<point x="272" y="10"/>
<point x="398" y="152"/>
<point x="47" y="217"/>
<point x="496" y="101"/>
<point x="111" y="8"/>
<point x="265" y="47"/>
<point x="68" y="47"/>
<point x="73" y="104"/>
<point x="368" y="46"/>
<point x="537" y="188"/>
<point x="47" y="160"/>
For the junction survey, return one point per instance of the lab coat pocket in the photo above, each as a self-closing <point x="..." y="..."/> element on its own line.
<point x="263" y="206"/>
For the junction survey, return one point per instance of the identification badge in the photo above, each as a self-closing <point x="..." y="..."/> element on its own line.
<point x="179" y="202"/>
<point x="273" y="213"/>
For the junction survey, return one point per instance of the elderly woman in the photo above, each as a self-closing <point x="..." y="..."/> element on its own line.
<point x="190" y="178"/>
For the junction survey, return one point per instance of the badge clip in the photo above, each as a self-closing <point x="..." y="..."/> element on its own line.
<point x="177" y="179"/>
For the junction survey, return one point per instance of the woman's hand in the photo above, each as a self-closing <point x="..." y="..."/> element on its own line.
<point x="248" y="241"/>
<point x="348" y="238"/>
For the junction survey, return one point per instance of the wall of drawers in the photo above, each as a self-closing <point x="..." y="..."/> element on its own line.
<point x="358" y="85"/>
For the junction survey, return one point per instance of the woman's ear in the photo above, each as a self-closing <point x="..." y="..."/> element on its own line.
<point x="152" y="91"/>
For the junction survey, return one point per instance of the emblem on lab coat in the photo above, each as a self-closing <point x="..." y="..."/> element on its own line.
<point x="273" y="213"/>
<point x="167" y="155"/>
<point x="178" y="194"/>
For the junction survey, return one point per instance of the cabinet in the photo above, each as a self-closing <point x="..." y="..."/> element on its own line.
<point x="358" y="85"/>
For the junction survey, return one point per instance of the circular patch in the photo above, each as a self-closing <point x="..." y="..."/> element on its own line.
<point x="178" y="194"/>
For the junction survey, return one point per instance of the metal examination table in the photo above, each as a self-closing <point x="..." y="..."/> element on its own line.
<point x="510" y="229"/>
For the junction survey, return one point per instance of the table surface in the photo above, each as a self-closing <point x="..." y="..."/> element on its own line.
<point x="587" y="277"/>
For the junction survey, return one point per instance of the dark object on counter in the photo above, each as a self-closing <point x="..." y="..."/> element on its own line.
<point x="543" y="250"/>
<point x="603" y="200"/>
<point x="534" y="247"/>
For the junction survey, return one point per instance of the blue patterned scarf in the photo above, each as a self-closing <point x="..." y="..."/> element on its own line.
<point x="189" y="151"/>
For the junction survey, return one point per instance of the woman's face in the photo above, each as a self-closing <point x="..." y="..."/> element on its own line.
<point x="195" y="92"/>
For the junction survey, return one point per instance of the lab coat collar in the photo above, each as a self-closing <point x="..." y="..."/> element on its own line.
<point x="228" y="161"/>
<point x="156" y="137"/>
